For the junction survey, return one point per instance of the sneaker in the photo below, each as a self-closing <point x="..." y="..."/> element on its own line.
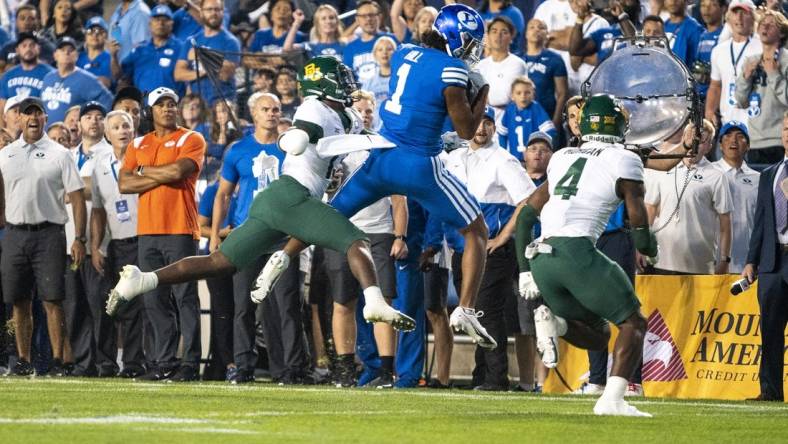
<point x="345" y="375"/>
<point x="548" y="328"/>
<point x="435" y="384"/>
<point x="385" y="380"/>
<point x="366" y="376"/>
<point x="79" y="372"/>
<point x="57" y="369"/>
<point x="130" y="372"/>
<point x="239" y="376"/>
<point x="589" y="389"/>
<point x="156" y="374"/>
<point x="132" y="283"/>
<point x="22" y="368"/>
<point x="107" y="372"/>
<point x="634" y="390"/>
<point x="185" y="373"/>
<point x="271" y="273"/>
<point x="386" y="313"/>
<point x="617" y="408"/>
<point x="487" y="387"/>
<point x="466" y="319"/>
<point x="532" y="389"/>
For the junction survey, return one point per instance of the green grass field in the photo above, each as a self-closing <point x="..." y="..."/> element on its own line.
<point x="98" y="411"/>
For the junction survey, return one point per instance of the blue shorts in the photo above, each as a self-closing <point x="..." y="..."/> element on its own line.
<point x="421" y="178"/>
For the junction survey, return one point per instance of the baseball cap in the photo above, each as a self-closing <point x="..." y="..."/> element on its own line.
<point x="161" y="10"/>
<point x="129" y="92"/>
<point x="91" y="106"/>
<point x="67" y="41"/>
<point x="735" y="124"/>
<point x="746" y="4"/>
<point x="24" y="36"/>
<point x="96" y="21"/>
<point x="489" y="113"/>
<point x="12" y="102"/>
<point x="160" y="93"/>
<point x="540" y="137"/>
<point x="29" y="102"/>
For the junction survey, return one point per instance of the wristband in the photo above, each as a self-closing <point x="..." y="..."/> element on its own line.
<point x="579" y="21"/>
<point x="645" y="241"/>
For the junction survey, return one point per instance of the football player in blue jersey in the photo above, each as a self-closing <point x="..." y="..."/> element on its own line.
<point x="428" y="83"/>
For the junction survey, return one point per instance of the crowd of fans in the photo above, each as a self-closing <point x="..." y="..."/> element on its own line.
<point x="95" y="80"/>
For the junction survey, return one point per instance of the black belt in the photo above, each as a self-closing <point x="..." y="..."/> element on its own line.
<point x="783" y="248"/>
<point x="32" y="227"/>
<point x="128" y="240"/>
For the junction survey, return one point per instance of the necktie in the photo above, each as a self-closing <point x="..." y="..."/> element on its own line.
<point x="780" y="201"/>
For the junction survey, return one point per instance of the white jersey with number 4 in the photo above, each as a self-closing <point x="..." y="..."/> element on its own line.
<point x="582" y="185"/>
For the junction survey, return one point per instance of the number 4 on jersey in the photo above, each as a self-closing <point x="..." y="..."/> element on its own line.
<point x="567" y="186"/>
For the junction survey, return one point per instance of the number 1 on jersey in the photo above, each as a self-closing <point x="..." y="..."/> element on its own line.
<point x="392" y="104"/>
<point x="567" y="186"/>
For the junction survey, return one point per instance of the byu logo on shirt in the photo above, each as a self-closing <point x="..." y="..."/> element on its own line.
<point x="755" y="105"/>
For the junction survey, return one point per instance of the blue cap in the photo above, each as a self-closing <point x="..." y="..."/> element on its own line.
<point x="161" y="10"/>
<point x="489" y="113"/>
<point x="735" y="124"/>
<point x="92" y="106"/>
<point x="96" y="21"/>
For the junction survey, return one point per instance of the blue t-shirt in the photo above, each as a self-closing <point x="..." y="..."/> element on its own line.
<point x="18" y="82"/>
<point x="150" y="67"/>
<point x="223" y="41"/>
<point x="603" y="39"/>
<point x="517" y="124"/>
<point x="101" y="66"/>
<point x="542" y="70"/>
<point x="185" y="26"/>
<point x="414" y="114"/>
<point x="358" y="56"/>
<point x="326" y="49"/>
<point x="684" y="38"/>
<point x="130" y="28"/>
<point x="253" y="166"/>
<point x="264" y="41"/>
<point x="514" y="14"/>
<point x="708" y="40"/>
<point x="616" y="221"/>
<point x="79" y="87"/>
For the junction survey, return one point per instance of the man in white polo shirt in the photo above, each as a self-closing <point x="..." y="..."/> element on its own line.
<point x="500" y="67"/>
<point x="36" y="173"/>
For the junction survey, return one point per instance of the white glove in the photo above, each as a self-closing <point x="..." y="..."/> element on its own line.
<point x="475" y="82"/>
<point x="528" y="288"/>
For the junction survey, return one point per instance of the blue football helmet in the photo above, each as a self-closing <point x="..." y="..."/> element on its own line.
<point x="463" y="29"/>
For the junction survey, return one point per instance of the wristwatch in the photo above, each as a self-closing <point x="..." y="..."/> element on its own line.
<point x="726" y="259"/>
<point x="401" y="237"/>
<point x="82" y="239"/>
<point x="140" y="170"/>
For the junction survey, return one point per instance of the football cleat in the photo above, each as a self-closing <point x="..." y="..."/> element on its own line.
<point x="589" y="389"/>
<point x="385" y="313"/>
<point x="617" y="408"/>
<point x="634" y="390"/>
<point x="548" y="328"/>
<point x="467" y="320"/>
<point x="132" y="283"/>
<point x="276" y="265"/>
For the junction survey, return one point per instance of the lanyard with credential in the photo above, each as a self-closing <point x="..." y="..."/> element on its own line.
<point x="112" y="167"/>
<point x="735" y="61"/>
<point x="81" y="158"/>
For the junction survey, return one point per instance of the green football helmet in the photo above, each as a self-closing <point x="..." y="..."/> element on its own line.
<point x="603" y="119"/>
<point x="327" y="78"/>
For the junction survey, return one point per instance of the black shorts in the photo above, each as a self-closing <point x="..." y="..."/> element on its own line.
<point x="34" y="258"/>
<point x="343" y="286"/>
<point x="436" y="289"/>
<point x="318" y="280"/>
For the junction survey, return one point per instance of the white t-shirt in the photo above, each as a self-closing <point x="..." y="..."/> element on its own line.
<point x="744" y="193"/>
<point x="500" y="76"/>
<point x="576" y="78"/>
<point x="722" y="70"/>
<point x="556" y="14"/>
<point x="582" y="185"/>
<point x="376" y="218"/>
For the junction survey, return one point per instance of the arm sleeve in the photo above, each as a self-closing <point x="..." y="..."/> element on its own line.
<point x="722" y="200"/>
<point x="776" y="83"/>
<point x="233" y="45"/>
<point x="229" y="170"/>
<point x="545" y="122"/>
<point x="102" y="94"/>
<point x="630" y="167"/>
<point x="193" y="148"/>
<point x="4" y="94"/>
<point x="205" y="208"/>
<point x="559" y="67"/>
<point x="744" y="86"/>
<point x="140" y="30"/>
<point x="515" y="179"/>
<point x="651" y="183"/>
<point x="524" y="235"/>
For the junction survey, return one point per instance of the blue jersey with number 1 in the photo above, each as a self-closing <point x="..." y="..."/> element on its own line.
<point x="415" y="111"/>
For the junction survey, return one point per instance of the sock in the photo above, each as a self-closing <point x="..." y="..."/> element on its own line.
<point x="387" y="363"/>
<point x="615" y="388"/>
<point x="373" y="296"/>
<point x="346" y="358"/>
<point x="149" y="281"/>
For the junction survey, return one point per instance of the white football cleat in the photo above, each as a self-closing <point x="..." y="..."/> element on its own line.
<point x="548" y="328"/>
<point x="634" y="390"/>
<point x="386" y="313"/>
<point x="276" y="265"/>
<point x="618" y="408"/>
<point x="466" y="319"/>
<point x="589" y="389"/>
<point x="132" y="283"/>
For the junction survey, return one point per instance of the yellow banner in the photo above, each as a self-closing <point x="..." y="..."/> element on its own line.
<point x="702" y="342"/>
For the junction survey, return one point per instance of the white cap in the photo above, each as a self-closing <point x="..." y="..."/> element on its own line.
<point x="746" y="4"/>
<point x="159" y="93"/>
<point x="12" y="102"/>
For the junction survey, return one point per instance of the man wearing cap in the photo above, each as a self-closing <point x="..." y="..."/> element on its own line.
<point x="27" y="22"/>
<point x="95" y="59"/>
<point x="162" y="167"/>
<point x="36" y="173"/>
<point x="129" y="26"/>
<point x="70" y="85"/>
<point x="727" y="62"/>
<point x="11" y="116"/>
<point x="743" y="182"/>
<point x="25" y="79"/>
<point x="500" y="184"/>
<point x="129" y="99"/>
<point x="152" y="64"/>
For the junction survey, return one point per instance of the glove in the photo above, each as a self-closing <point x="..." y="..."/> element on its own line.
<point x="528" y="288"/>
<point x="652" y="260"/>
<point x="475" y="82"/>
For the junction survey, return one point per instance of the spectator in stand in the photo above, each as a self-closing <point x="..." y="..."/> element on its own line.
<point x="522" y="117"/>
<point x="64" y="22"/>
<point x="215" y="36"/>
<point x="70" y="85"/>
<point x="25" y="79"/>
<point x="743" y="181"/>
<point x="224" y="132"/>
<point x="491" y="9"/>
<point x="282" y="15"/>
<point x="287" y="90"/>
<point x="358" y="54"/>
<point x="761" y="89"/>
<point x="378" y="84"/>
<point x="26" y="23"/>
<point x="60" y="134"/>
<point x="325" y="35"/>
<point x="500" y="68"/>
<point x="71" y="120"/>
<point x="194" y="114"/>
<point x="423" y="23"/>
<point x="364" y="103"/>
<point x="263" y="80"/>
<point x="11" y="121"/>
<point x="129" y="99"/>
<point x="600" y="42"/>
<point x="694" y="230"/>
<point x="165" y="178"/>
<point x="683" y="31"/>
<point x="653" y="26"/>
<point x="588" y="22"/>
<point x="403" y="15"/>
<point x="712" y="13"/>
<point x="547" y="70"/>
<point x="34" y="241"/>
<point x="186" y="19"/>
<point x="115" y="215"/>
<point x="95" y="59"/>
<point x="721" y="103"/>
<point x="129" y="26"/>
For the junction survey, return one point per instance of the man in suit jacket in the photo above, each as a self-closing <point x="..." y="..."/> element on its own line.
<point x="768" y="258"/>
